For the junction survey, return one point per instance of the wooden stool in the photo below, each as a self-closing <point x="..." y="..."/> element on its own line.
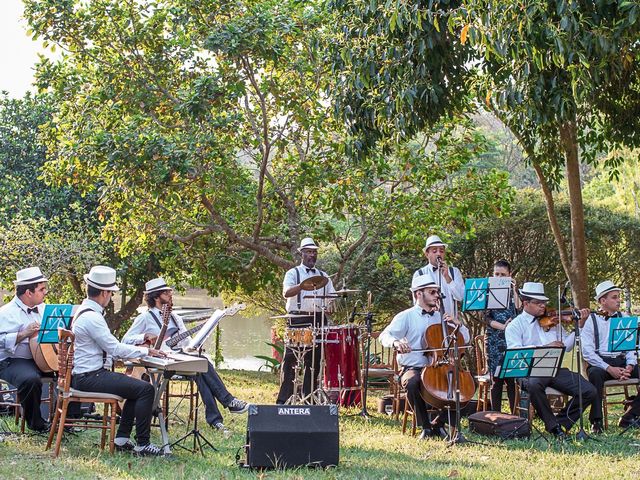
<point x="191" y="394"/>
<point x="620" y="388"/>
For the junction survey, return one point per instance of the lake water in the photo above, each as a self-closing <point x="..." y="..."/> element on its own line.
<point x="242" y="337"/>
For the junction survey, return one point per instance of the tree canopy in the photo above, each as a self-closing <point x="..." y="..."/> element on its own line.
<point x="562" y="75"/>
<point x="209" y="125"/>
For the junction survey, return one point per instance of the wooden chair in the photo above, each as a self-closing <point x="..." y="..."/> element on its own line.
<point x="408" y="412"/>
<point x="558" y="401"/>
<point x="66" y="394"/>
<point x="483" y="378"/>
<point x="615" y="389"/>
<point x="381" y="372"/>
<point x="50" y="382"/>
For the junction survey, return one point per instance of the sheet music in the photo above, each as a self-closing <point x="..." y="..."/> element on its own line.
<point x="197" y="341"/>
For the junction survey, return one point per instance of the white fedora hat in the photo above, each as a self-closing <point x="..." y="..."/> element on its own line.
<point x="606" y="287"/>
<point x="102" y="278"/>
<point x="30" y="275"/>
<point x="156" y="285"/>
<point x="533" y="290"/>
<point x="423" y="281"/>
<point x="308" y="243"/>
<point x="433" y="241"/>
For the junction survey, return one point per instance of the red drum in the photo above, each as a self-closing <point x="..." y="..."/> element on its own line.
<point x="342" y="358"/>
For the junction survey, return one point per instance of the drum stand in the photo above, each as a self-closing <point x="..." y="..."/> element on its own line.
<point x="298" y="379"/>
<point x="318" y="395"/>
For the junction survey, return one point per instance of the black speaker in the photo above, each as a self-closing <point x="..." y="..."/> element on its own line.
<point x="285" y="436"/>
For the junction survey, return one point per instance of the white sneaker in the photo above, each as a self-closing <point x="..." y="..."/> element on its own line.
<point x="226" y="433"/>
<point x="148" y="450"/>
<point x="238" y="406"/>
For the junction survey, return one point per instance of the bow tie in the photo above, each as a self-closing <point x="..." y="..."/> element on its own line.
<point x="34" y="309"/>
<point x="312" y="270"/>
<point x="424" y="312"/>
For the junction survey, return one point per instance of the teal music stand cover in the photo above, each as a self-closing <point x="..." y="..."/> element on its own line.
<point x="475" y="294"/>
<point x="53" y="317"/>
<point x="623" y="334"/>
<point x="535" y="362"/>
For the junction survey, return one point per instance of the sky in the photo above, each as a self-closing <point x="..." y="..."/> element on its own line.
<point x="19" y="53"/>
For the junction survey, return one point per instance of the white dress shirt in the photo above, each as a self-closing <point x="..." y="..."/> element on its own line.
<point x="452" y="291"/>
<point x="589" y="343"/>
<point x="411" y="324"/>
<point x="93" y="338"/>
<point x="525" y="331"/>
<point x="145" y="323"/>
<point x="307" y="303"/>
<point x="13" y="319"/>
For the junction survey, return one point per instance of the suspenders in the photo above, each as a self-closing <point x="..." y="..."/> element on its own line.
<point x="299" y="296"/>
<point x="82" y="312"/>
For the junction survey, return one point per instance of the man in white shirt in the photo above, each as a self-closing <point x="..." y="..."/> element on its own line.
<point x="406" y="333"/>
<point x="95" y="348"/>
<point x="603" y="364"/>
<point x="525" y="331"/>
<point x="19" y="321"/>
<point x="448" y="278"/>
<point x="302" y="302"/>
<point x="146" y="328"/>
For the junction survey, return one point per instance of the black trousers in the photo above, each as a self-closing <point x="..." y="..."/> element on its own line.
<point x="597" y="376"/>
<point x="25" y="375"/>
<point x="411" y="380"/>
<point x="212" y="388"/>
<point x="496" y="393"/>
<point x="566" y="382"/>
<point x="138" y="405"/>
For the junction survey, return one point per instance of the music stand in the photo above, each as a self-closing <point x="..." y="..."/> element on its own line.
<point x="492" y="293"/>
<point x="54" y="316"/>
<point x="623" y="337"/>
<point x="531" y="362"/>
<point x="196" y="343"/>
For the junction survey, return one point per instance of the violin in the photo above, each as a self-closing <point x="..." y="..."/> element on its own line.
<point x="550" y="318"/>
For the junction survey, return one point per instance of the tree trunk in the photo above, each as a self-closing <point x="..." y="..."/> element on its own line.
<point x="578" y="273"/>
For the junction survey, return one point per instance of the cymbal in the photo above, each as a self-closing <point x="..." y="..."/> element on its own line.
<point x="346" y="291"/>
<point x="291" y="315"/>
<point x="329" y="295"/>
<point x="314" y="283"/>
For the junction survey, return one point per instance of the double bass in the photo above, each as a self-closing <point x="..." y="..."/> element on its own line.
<point x="439" y="379"/>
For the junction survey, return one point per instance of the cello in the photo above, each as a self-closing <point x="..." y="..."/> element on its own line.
<point x="444" y="376"/>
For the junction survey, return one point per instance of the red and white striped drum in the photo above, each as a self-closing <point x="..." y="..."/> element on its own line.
<point x="342" y="358"/>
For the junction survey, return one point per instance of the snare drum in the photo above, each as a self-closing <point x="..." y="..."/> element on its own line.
<point x="342" y="357"/>
<point x="298" y="337"/>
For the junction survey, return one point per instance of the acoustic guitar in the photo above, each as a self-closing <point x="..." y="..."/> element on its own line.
<point x="44" y="354"/>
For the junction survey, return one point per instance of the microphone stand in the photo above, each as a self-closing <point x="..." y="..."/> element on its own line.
<point x="581" y="435"/>
<point x="368" y="322"/>
<point x="456" y="436"/>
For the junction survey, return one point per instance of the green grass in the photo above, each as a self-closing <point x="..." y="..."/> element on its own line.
<point x="373" y="449"/>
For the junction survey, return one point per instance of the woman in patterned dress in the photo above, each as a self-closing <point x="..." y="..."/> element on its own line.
<point x="497" y="320"/>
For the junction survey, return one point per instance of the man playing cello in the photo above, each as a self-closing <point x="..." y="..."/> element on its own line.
<point x="406" y="333"/>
